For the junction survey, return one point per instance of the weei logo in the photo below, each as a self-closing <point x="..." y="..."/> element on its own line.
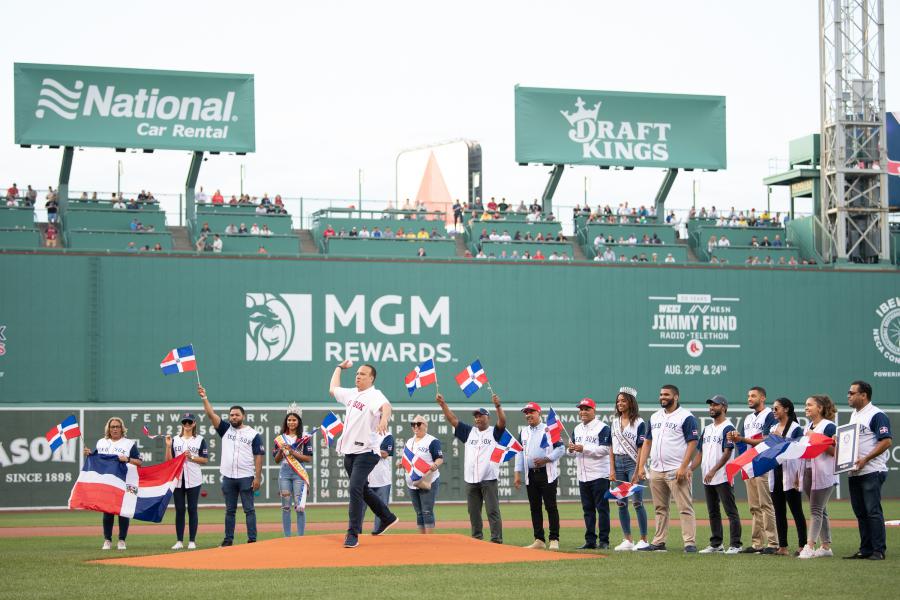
<point x="887" y="335"/>
<point x="609" y="140"/>
<point x="108" y="102"/>
<point x="280" y="327"/>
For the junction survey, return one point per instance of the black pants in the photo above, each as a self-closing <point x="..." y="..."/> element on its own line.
<point x="541" y="491"/>
<point x="724" y="493"/>
<point x="124" y="522"/>
<point x="865" y="498"/>
<point x="358" y="467"/>
<point x="781" y="501"/>
<point x="192" y="495"/>
<point x="596" y="510"/>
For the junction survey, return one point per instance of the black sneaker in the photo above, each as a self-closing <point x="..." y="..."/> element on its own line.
<point x="653" y="548"/>
<point x="767" y="551"/>
<point x="351" y="541"/>
<point x="385" y="526"/>
<point x="586" y="546"/>
<point x="690" y="549"/>
<point x="602" y="546"/>
<point x="251" y="541"/>
<point x="857" y="556"/>
<point x="876" y="556"/>
<point x="226" y="543"/>
<point x="751" y="550"/>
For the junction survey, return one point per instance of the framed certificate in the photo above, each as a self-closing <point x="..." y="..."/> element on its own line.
<point x="847" y="449"/>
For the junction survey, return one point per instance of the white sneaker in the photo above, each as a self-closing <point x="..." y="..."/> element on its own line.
<point x="807" y="552"/>
<point x="733" y="550"/>
<point x="107" y="545"/>
<point x="178" y="546"/>
<point x="823" y="553"/>
<point x="641" y="545"/>
<point x="554" y="545"/>
<point x="192" y="546"/>
<point x="624" y="546"/>
<point x="712" y="550"/>
<point x="537" y="545"/>
<point x="120" y="545"/>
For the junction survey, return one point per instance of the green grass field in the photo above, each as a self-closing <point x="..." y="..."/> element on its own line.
<point x="47" y="567"/>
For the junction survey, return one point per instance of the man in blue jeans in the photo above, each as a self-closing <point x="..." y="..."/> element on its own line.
<point x="240" y="467"/>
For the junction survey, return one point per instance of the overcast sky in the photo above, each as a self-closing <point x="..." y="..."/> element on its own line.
<point x="344" y="86"/>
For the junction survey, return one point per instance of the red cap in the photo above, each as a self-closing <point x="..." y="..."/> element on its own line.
<point x="531" y="406"/>
<point x="587" y="402"/>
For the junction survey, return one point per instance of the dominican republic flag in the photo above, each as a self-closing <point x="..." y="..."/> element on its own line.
<point x="554" y="426"/>
<point x="471" y="378"/>
<point x="108" y="485"/>
<point x="66" y="430"/>
<point x="765" y="456"/>
<point x="415" y="467"/>
<point x="179" y="360"/>
<point x="421" y="376"/>
<point x="506" y="449"/>
<point x="622" y="491"/>
<point x="331" y="427"/>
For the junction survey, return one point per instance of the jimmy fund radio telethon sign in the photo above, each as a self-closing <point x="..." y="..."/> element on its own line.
<point x="591" y="127"/>
<point x="133" y="108"/>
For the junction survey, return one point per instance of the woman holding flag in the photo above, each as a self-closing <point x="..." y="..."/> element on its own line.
<point x="114" y="442"/>
<point x="784" y="480"/>
<point x="423" y="449"/>
<point x="187" y="442"/>
<point x="292" y="450"/>
<point x="819" y="478"/>
<point x="628" y="433"/>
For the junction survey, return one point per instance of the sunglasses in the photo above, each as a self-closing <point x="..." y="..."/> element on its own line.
<point x="417" y="424"/>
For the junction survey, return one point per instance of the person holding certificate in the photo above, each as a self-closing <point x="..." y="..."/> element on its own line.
<point x="819" y="478"/>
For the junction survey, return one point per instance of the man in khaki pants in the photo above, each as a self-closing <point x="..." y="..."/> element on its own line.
<point x="670" y="444"/>
<point x="754" y="429"/>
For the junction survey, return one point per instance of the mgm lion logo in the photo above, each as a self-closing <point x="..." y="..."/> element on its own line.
<point x="279" y="327"/>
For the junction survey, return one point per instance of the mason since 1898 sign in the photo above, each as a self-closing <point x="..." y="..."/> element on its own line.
<point x="133" y="108"/>
<point x="585" y="127"/>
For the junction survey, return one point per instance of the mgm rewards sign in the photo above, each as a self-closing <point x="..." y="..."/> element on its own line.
<point x="133" y="108"/>
<point x="591" y="127"/>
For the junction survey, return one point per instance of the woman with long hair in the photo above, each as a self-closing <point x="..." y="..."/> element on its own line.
<point x="628" y="433"/>
<point x="188" y="491"/>
<point x="819" y="478"/>
<point x="784" y="480"/>
<point x="293" y="450"/>
<point x="115" y="443"/>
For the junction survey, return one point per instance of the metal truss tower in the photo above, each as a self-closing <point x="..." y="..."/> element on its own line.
<point x="854" y="207"/>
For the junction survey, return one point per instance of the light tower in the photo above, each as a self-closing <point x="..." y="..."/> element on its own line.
<point x="854" y="207"/>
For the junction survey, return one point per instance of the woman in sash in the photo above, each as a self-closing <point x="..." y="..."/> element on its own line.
<point x="423" y="456"/>
<point x="293" y="450"/>
<point x="188" y="490"/>
<point x="628" y="433"/>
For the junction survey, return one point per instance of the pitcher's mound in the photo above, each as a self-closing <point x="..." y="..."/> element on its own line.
<point x="328" y="551"/>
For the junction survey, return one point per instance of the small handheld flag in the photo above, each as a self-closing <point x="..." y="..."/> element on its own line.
<point x="180" y="360"/>
<point x="622" y="491"/>
<point x="146" y="431"/>
<point x="554" y="426"/>
<point x="421" y="376"/>
<point x="66" y="430"/>
<point x="505" y="449"/>
<point x="471" y="378"/>
<point x="416" y="467"/>
<point x="331" y="427"/>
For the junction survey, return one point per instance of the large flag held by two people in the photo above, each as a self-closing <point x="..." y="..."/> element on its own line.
<point x="108" y="485"/>
<point x="773" y="451"/>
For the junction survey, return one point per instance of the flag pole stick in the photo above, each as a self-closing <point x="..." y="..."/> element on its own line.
<point x="197" y="369"/>
<point x="565" y="431"/>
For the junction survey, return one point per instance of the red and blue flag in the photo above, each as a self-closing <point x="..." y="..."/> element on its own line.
<point x="66" y="430"/>
<point x="421" y="376"/>
<point x="773" y="451"/>
<point x="415" y="466"/>
<point x="179" y="360"/>
<point x="554" y="426"/>
<point x="331" y="427"/>
<point x="506" y="448"/>
<point x="622" y="491"/>
<point x="471" y="378"/>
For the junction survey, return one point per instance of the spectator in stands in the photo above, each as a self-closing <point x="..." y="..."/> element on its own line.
<point x="420" y="252"/>
<point x="521" y="209"/>
<point x="410" y="235"/>
<point x="765" y="242"/>
<point x="654" y="257"/>
<point x="51" y="236"/>
<point x="724" y="242"/>
<point x="233" y="201"/>
<point x="670" y="218"/>
<point x="777" y="243"/>
<point x="422" y="235"/>
<point x="505" y="237"/>
<point x="278" y="201"/>
<point x="645" y="239"/>
<point x="703" y="214"/>
<point x="503" y="206"/>
<point x="526" y="255"/>
<point x="781" y="260"/>
<point x="52" y="208"/>
<point x="669" y="258"/>
<point x="608" y="255"/>
<point x="217" y="244"/>
<point x="231" y="229"/>
<point x="643" y="257"/>
<point x="457" y="212"/>
<point x="692" y="214"/>
<point x="204" y="229"/>
<point x="135" y="225"/>
<point x="711" y="244"/>
<point x="539" y="237"/>
<point x="133" y="205"/>
<point x="538" y="255"/>
<point x="767" y="260"/>
<point x="722" y="221"/>
<point x="713" y="260"/>
<point x="262" y="250"/>
<point x="142" y="197"/>
<point x="376" y="233"/>
<point x="407" y="206"/>
<point x="12" y="192"/>
<point x="492" y="206"/>
<point x="481" y="254"/>
<point x="30" y="196"/>
<point x="533" y="217"/>
<point x="264" y="230"/>
<point x="242" y="230"/>
<point x="712" y="213"/>
<point x="131" y="247"/>
<point x="200" y="197"/>
<point x="157" y="247"/>
<point x="12" y="202"/>
<point x="265" y="200"/>
<point x="218" y="198"/>
<point x="550" y="218"/>
<point x="200" y="246"/>
<point x="435" y="234"/>
<point x="118" y="204"/>
<point x="254" y="229"/>
<point x="389" y="233"/>
<point x="792" y="261"/>
<point x="364" y="232"/>
<point x="632" y="240"/>
<point x="354" y="232"/>
<point x="329" y="232"/>
<point x="655" y="239"/>
<point x="145" y="248"/>
<point x="553" y="256"/>
<point x="754" y="242"/>
<point x="261" y="210"/>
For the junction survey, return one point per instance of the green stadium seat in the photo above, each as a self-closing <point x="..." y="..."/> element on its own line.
<point x="512" y="225"/>
<point x="546" y="248"/>
<point x="278" y="224"/>
<point x="275" y="245"/>
<point x="392" y="248"/>
<point x="16" y="217"/>
<point x="678" y="252"/>
<point x="737" y="255"/>
<point x="115" y="241"/>
<point x="227" y="209"/>
<point x="20" y="239"/>
<point x="664" y="232"/>
<point x="110" y="219"/>
<point x="738" y="236"/>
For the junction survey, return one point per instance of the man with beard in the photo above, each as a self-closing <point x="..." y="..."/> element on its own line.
<point x="240" y="467"/>
<point x="715" y="451"/>
<point x="670" y="444"/>
<point x="755" y="428"/>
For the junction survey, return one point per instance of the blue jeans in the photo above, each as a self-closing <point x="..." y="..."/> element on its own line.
<point x="423" y="503"/>
<point x="384" y="493"/>
<point x="865" y="498"/>
<point x="290" y="488"/>
<point x="624" y="472"/>
<point x="595" y="505"/>
<point x="231" y="489"/>
<point x="358" y="467"/>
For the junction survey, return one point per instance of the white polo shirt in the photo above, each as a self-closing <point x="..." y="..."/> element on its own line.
<point x="593" y="461"/>
<point x="363" y="412"/>
<point x="714" y="443"/>
<point x="669" y="435"/>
